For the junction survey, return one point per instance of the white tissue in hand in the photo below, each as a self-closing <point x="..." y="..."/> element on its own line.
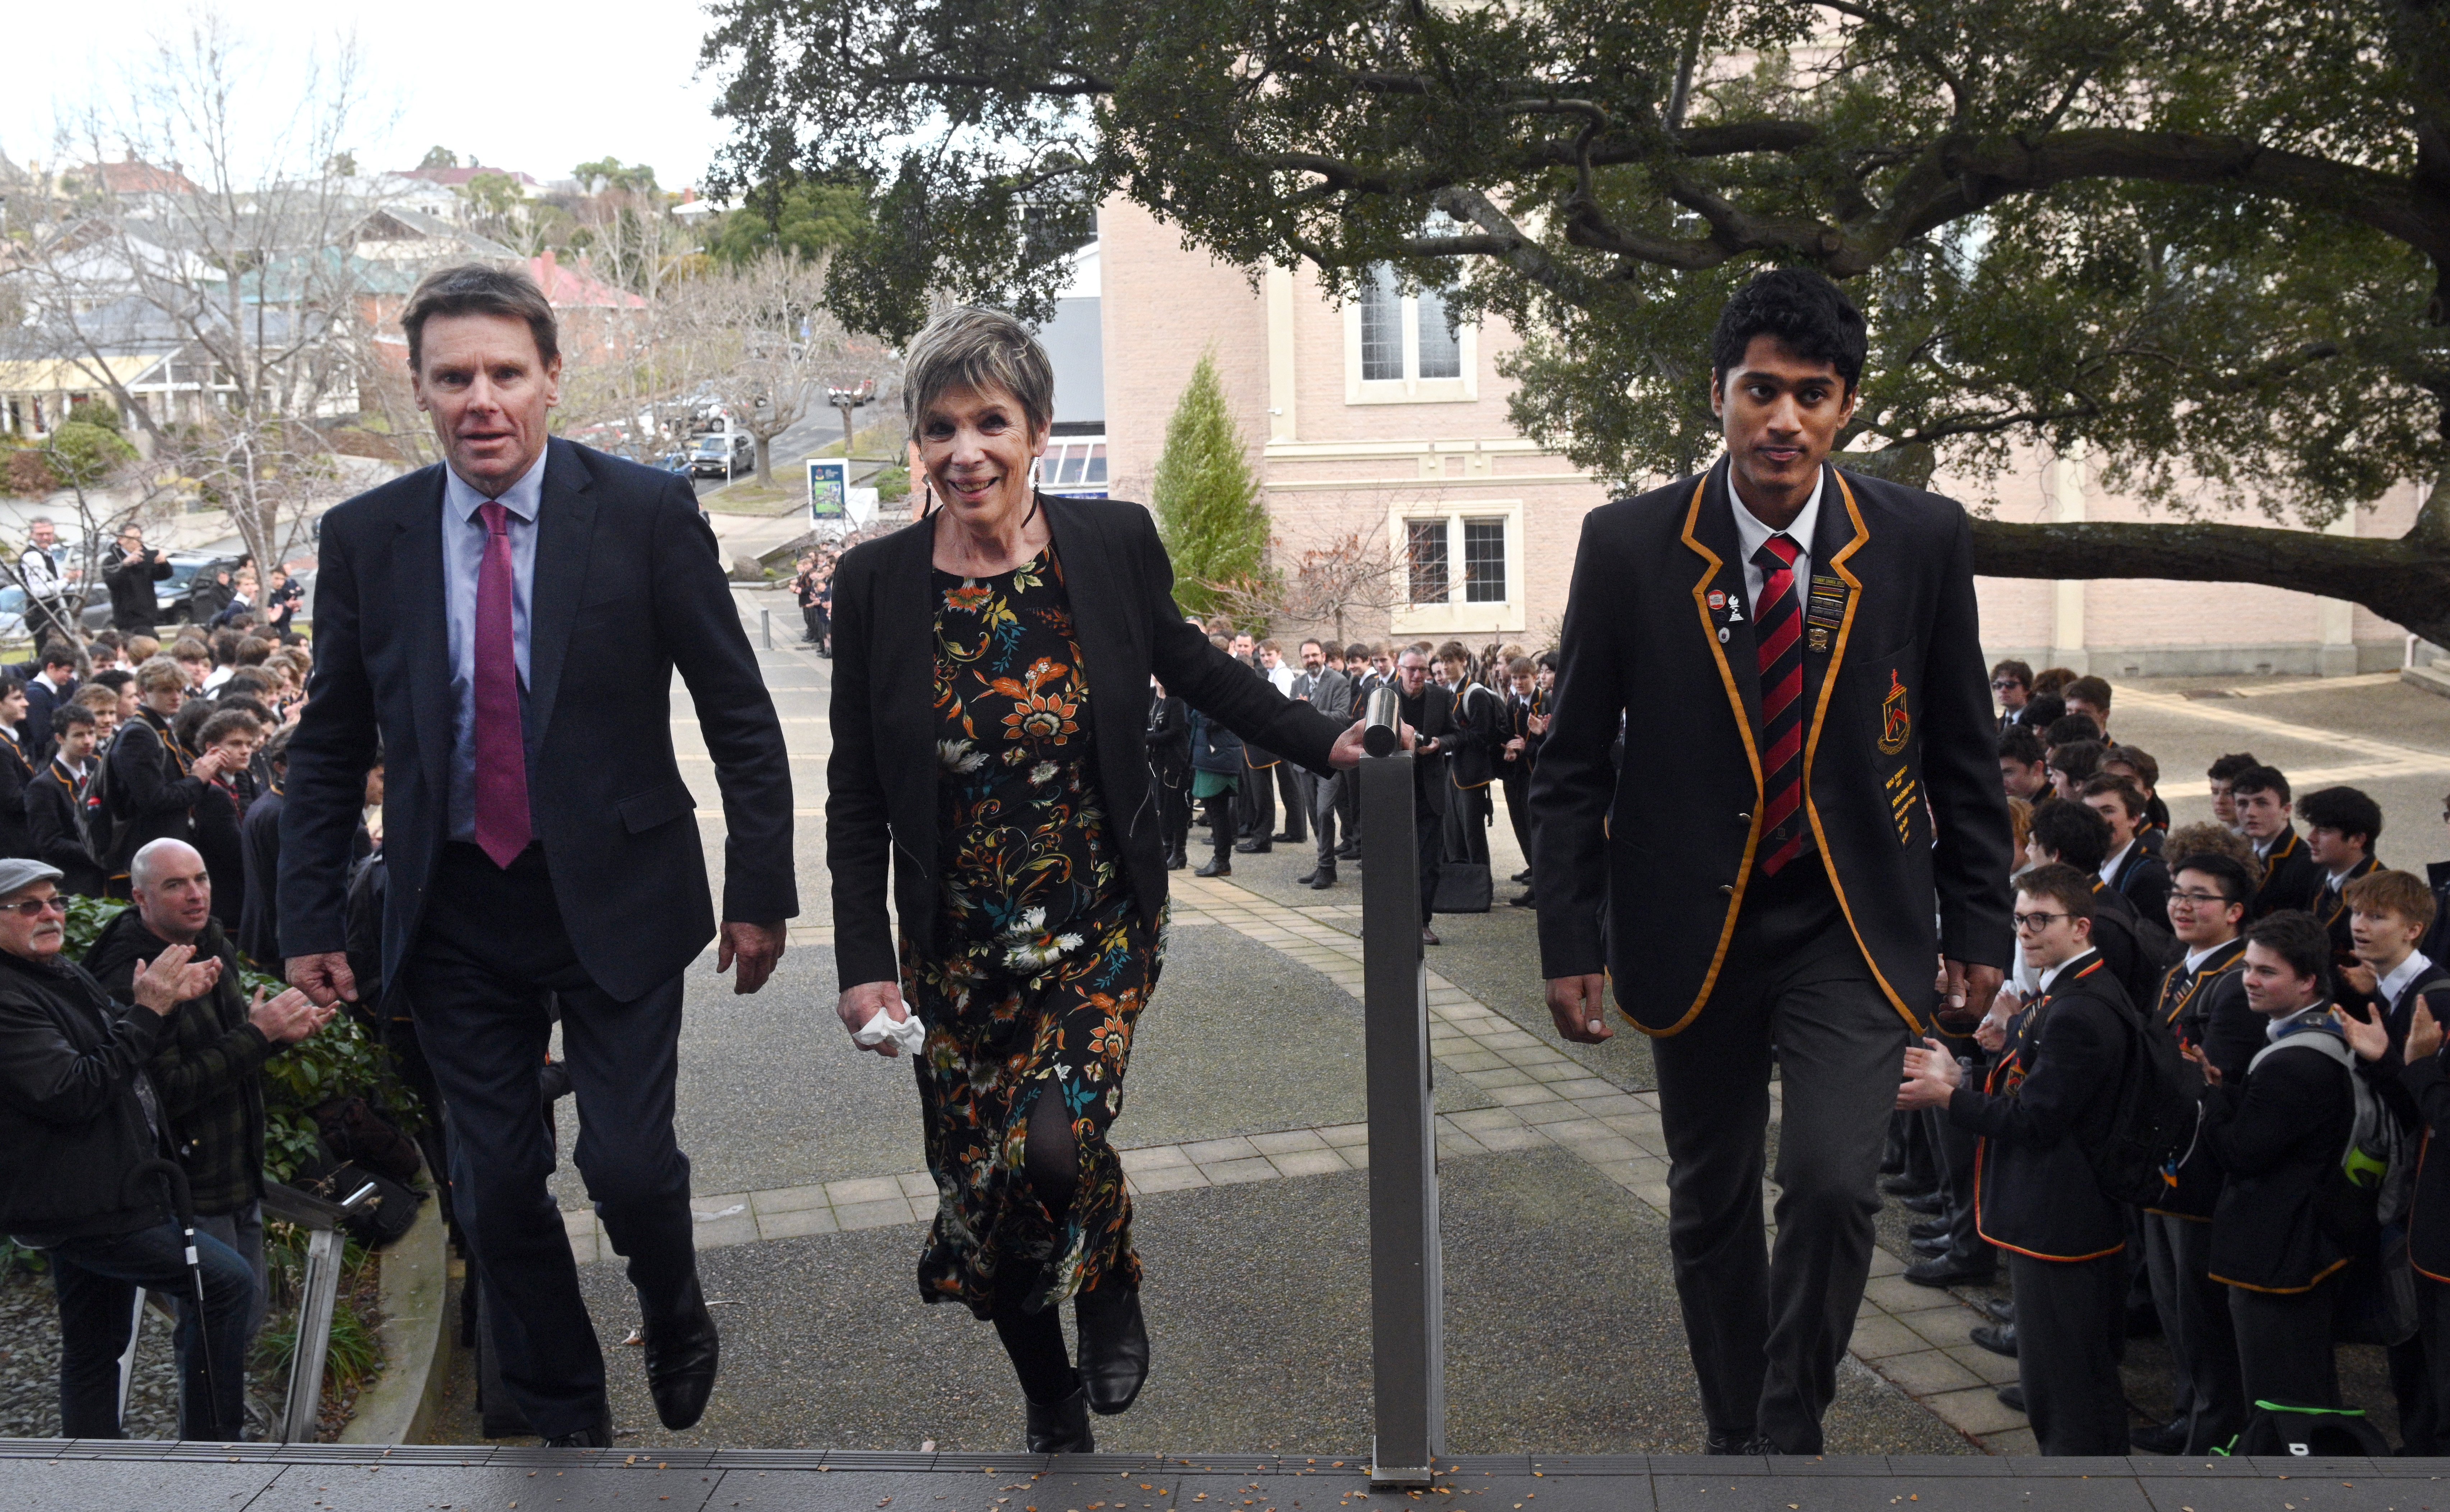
<point x="910" y="1034"/>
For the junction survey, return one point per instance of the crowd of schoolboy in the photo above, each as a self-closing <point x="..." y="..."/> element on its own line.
<point x="2293" y="981"/>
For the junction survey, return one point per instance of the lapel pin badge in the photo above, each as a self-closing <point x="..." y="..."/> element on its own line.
<point x="1723" y="634"/>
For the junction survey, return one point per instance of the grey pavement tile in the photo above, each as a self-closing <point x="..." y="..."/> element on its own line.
<point x="790" y="1199"/>
<point x="1774" y="1492"/>
<point x="1287" y="1142"/>
<point x="1208" y="1151"/>
<point x="918" y="1183"/>
<point x="415" y="1488"/>
<point x="1251" y="1168"/>
<point x="865" y="1188"/>
<point x="1344" y="1134"/>
<point x="1156" y="1157"/>
<point x="1926" y="1372"/>
<point x="119" y="1486"/>
<point x="1167" y="1178"/>
<point x="741" y="1228"/>
<point x="874" y="1214"/>
<point x="1308" y="1162"/>
<point x="792" y="1223"/>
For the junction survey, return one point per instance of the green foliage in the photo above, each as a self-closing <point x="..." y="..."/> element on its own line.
<point x="1206" y="499"/>
<point x="892" y="485"/>
<point x="438" y="157"/>
<point x="807" y="219"/>
<point x="612" y="174"/>
<point x="86" y="454"/>
<point x="98" y="412"/>
<point x="2195" y="237"/>
<point x="354" y="1353"/>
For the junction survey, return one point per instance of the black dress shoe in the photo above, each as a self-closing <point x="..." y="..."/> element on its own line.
<point x="1527" y="900"/>
<point x="1252" y="847"/>
<point x="2012" y="1396"/>
<point x="1321" y="881"/>
<point x="1999" y="1339"/>
<point x="1945" y="1270"/>
<point x="1902" y="1185"/>
<point x="2002" y="1310"/>
<point x="1216" y="866"/>
<point x="1289" y="840"/>
<point x="1114" y="1347"/>
<point x="1062" y="1427"/>
<point x="683" y="1349"/>
<point x="1936" y="1243"/>
<point x="1523" y="876"/>
<point x="596" y="1435"/>
<point x="1931" y="1203"/>
<point x="1177" y="861"/>
<point x="1731" y="1444"/>
<point x="1307" y="878"/>
<point x="2167" y="1438"/>
<point x="1429" y="936"/>
<point x="1928" y="1228"/>
<point x="1348" y="853"/>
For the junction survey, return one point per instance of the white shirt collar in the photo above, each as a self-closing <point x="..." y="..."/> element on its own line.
<point x="1751" y="533"/>
<point x="521" y="498"/>
<point x="2392" y="985"/>
<point x="2052" y="974"/>
<point x="2110" y="867"/>
<point x="2196" y="958"/>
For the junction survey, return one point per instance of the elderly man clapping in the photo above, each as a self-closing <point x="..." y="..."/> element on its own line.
<point x="207" y="1069"/>
<point x="76" y="1118"/>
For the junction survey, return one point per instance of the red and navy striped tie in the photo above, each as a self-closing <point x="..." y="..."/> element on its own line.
<point x="1778" y="620"/>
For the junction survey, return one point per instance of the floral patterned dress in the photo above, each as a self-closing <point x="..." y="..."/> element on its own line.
<point x="1041" y="962"/>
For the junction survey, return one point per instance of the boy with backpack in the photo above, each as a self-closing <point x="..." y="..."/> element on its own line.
<point x="2285" y="1228"/>
<point x="2045" y="1118"/>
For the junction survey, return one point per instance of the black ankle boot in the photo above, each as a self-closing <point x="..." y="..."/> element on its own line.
<point x="1114" y="1347"/>
<point x="1062" y="1427"/>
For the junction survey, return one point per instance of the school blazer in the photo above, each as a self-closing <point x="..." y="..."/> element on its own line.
<point x="1642" y="864"/>
<point x="2279" y="1138"/>
<point x="2290" y="879"/>
<point x="2209" y="1010"/>
<point x="2045" y="1108"/>
<point x="2427" y="1084"/>
<point x="882" y="777"/>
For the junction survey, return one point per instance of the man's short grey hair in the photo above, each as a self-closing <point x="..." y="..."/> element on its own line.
<point x="981" y="349"/>
<point x="149" y="856"/>
<point x="39" y="520"/>
<point x="479" y="288"/>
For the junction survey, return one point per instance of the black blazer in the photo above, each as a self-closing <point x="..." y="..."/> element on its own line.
<point x="880" y="780"/>
<point x="1898" y="733"/>
<point x="54" y="819"/>
<point x="2044" y="1112"/>
<point x="2209" y="1009"/>
<point x="2143" y="880"/>
<point x="2278" y="1138"/>
<point x="40" y="703"/>
<point x="626" y="577"/>
<point x="2290" y="879"/>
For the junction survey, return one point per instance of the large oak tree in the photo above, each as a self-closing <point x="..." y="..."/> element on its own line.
<point x="2205" y="240"/>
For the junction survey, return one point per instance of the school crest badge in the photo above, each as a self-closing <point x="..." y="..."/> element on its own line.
<point x="1896" y="724"/>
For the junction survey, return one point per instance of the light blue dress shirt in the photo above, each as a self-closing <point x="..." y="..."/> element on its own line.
<point x="463" y="558"/>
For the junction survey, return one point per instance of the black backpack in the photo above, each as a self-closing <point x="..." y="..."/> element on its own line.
<point x="2156" y="1117"/>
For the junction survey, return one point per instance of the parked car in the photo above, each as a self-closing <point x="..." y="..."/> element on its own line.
<point x="677" y="464"/>
<point x="725" y="454"/>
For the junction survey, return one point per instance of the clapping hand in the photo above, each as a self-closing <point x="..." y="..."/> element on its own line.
<point x="1932" y="1077"/>
<point x="289" y="1018"/>
<point x="2202" y="1063"/>
<point x="2368" y="1037"/>
<point x="2423" y="1033"/>
<point x="173" y="976"/>
<point x="2359" y="977"/>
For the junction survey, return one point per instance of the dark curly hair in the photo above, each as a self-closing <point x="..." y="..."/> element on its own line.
<point x="1808" y="315"/>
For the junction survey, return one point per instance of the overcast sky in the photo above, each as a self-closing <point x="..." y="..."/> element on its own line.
<point x="574" y="81"/>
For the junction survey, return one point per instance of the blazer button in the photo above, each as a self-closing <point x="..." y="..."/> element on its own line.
<point x="1728" y="888"/>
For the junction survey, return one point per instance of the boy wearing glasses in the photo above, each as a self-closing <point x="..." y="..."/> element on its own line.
<point x="2046" y="1108"/>
<point x="2201" y="1003"/>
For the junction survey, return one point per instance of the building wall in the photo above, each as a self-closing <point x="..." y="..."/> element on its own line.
<point x="1334" y="469"/>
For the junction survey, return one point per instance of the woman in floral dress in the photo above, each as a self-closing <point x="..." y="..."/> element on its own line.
<point x="1027" y="854"/>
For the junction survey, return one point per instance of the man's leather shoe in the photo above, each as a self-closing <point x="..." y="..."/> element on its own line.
<point x="1931" y="1203"/>
<point x="1997" y="1338"/>
<point x="1321" y="881"/>
<point x="1523" y="876"/>
<point x="1936" y="1244"/>
<point x="1928" y="1228"/>
<point x="596" y="1435"/>
<point x="1902" y="1185"/>
<point x="683" y="1349"/>
<point x="1062" y="1427"/>
<point x="1114" y="1347"/>
<point x="1951" y="1271"/>
<point x="1216" y="866"/>
<point x="2167" y="1438"/>
<point x="1527" y="900"/>
<point x="1289" y="840"/>
<point x="1252" y="847"/>
<point x="2012" y="1396"/>
<point x="1177" y="861"/>
<point x="1429" y="936"/>
<point x="1348" y="853"/>
<point x="2002" y="1310"/>
<point x="1732" y="1443"/>
<point x="1307" y="878"/>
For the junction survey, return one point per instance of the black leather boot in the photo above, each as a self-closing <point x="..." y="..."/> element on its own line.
<point x="1114" y="1347"/>
<point x="683" y="1350"/>
<point x="1062" y="1427"/>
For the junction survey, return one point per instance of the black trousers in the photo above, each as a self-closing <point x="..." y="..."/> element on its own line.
<point x="2195" y="1319"/>
<point x="1518" y="806"/>
<point x="1173" y="810"/>
<point x="1768" y="1327"/>
<point x="1216" y="811"/>
<point x="1325" y="793"/>
<point x="2285" y="1350"/>
<point x="1292" y="784"/>
<point x="2432" y="1342"/>
<point x="1466" y="827"/>
<point x="2070" y="1331"/>
<point x="1428" y="826"/>
<point x="1956" y="1149"/>
<point x="96" y="1280"/>
<point x="489" y="961"/>
<point x="1348" y="807"/>
<point x="1254" y="803"/>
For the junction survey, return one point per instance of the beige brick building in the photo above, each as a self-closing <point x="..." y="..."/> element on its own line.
<point x="1368" y="418"/>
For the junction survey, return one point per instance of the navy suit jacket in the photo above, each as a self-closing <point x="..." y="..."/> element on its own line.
<point x="1897" y="733"/>
<point x="628" y="587"/>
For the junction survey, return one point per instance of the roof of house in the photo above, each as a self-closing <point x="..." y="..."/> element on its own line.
<point x="572" y="287"/>
<point x="133" y="177"/>
<point x="457" y="178"/>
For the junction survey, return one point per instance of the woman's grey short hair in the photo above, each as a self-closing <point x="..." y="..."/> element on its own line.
<point x="978" y="348"/>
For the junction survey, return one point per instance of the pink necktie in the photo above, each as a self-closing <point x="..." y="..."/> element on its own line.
<point x="503" y="826"/>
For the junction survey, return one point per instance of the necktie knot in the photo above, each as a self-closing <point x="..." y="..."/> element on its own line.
<point x="1779" y="551"/>
<point x="497" y="518"/>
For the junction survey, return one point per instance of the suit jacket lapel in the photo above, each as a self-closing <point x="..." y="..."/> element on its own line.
<point x="1101" y="635"/>
<point x="1710" y="531"/>
<point x="565" y="536"/>
<point x="418" y="598"/>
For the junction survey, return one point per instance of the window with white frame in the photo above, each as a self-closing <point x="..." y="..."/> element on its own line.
<point x="1405" y="348"/>
<point x="1462" y="570"/>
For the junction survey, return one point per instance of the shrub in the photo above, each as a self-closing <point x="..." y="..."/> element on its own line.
<point x="31" y="474"/>
<point x="1207" y="501"/>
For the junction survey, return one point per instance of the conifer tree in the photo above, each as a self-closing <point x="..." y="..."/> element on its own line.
<point x="1207" y="501"/>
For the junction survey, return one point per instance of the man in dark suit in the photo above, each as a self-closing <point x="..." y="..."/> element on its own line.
<point x="1324" y="686"/>
<point x="501" y="632"/>
<point x="1429" y="710"/>
<point x="1811" y="637"/>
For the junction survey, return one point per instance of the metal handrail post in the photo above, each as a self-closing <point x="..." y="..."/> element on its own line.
<point x="318" y="1292"/>
<point x="1408" y="1342"/>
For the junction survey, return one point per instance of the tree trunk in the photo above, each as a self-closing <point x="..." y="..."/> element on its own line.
<point x="2405" y="580"/>
<point x="765" y="459"/>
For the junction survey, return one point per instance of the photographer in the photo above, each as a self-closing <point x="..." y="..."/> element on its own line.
<point x="77" y="1117"/>
<point x="133" y="571"/>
